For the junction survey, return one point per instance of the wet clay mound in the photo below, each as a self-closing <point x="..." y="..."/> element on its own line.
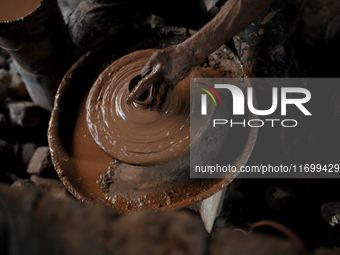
<point x="91" y="175"/>
<point x="132" y="133"/>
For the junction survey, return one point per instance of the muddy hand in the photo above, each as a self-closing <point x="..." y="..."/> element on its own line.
<point x="164" y="70"/>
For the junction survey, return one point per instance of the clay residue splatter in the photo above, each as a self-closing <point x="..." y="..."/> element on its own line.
<point x="107" y="179"/>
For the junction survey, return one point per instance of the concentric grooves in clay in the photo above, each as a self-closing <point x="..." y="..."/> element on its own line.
<point x="131" y="133"/>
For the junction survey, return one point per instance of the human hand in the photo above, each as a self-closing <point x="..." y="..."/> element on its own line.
<point x="165" y="69"/>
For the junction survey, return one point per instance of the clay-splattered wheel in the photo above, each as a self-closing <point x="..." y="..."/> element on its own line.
<point x="86" y="170"/>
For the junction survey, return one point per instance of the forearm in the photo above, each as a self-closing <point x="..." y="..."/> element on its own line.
<point x="232" y="18"/>
<point x="171" y="65"/>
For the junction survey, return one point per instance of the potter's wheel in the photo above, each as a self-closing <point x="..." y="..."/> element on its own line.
<point x="91" y="175"/>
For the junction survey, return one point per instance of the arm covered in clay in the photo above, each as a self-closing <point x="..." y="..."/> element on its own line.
<point x="170" y="65"/>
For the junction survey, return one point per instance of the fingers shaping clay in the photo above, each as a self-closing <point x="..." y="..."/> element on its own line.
<point x="132" y="133"/>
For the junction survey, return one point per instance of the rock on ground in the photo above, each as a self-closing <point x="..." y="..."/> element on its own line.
<point x="52" y="186"/>
<point x="17" y="87"/>
<point x="27" y="151"/>
<point x="24" y="114"/>
<point x="22" y="184"/>
<point x="41" y="163"/>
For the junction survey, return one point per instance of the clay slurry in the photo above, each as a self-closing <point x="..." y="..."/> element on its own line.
<point x="132" y="133"/>
<point x="14" y="9"/>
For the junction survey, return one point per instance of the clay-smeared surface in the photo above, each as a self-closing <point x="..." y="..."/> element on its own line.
<point x="16" y="9"/>
<point x="132" y="133"/>
<point x="93" y="176"/>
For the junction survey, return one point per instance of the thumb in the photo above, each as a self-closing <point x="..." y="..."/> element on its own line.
<point x="148" y="67"/>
